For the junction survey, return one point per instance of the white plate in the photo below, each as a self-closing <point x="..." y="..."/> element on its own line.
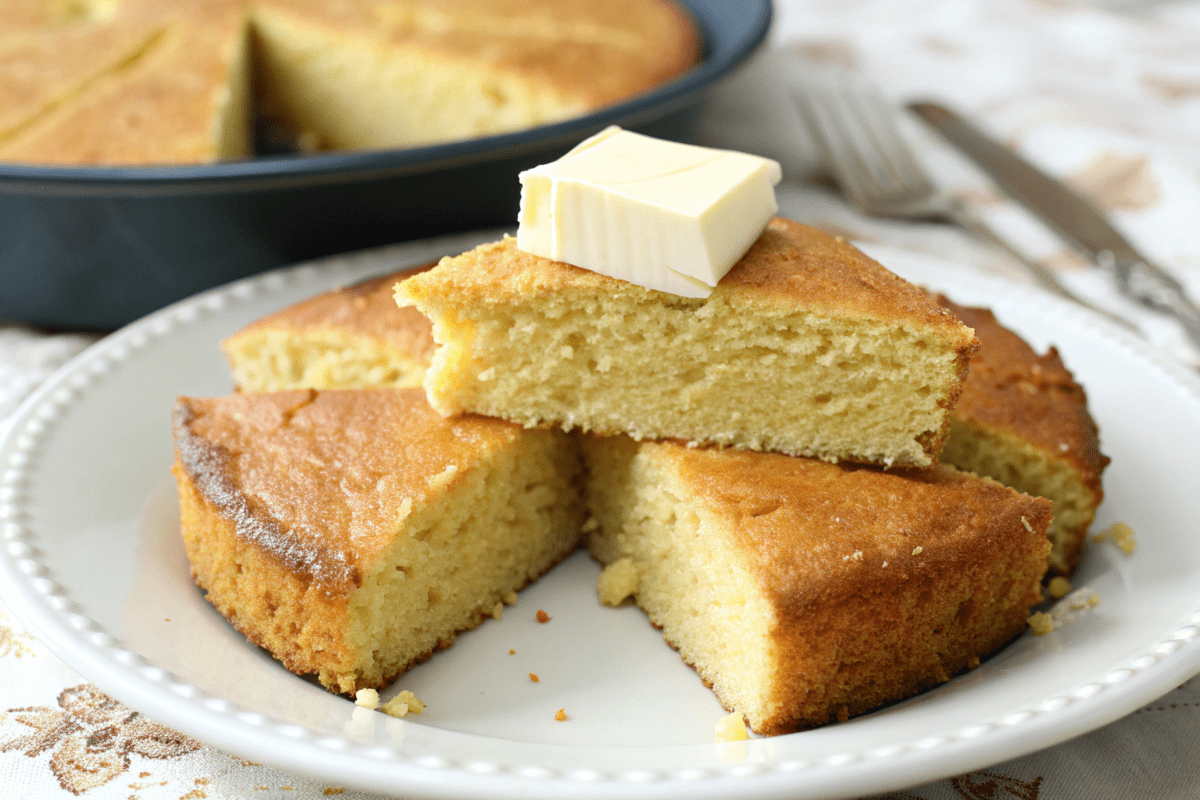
<point x="92" y="564"/>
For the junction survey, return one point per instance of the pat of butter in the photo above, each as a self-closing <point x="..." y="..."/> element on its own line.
<point x="667" y="216"/>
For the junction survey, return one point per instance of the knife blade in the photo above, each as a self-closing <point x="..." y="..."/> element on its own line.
<point x="1075" y="219"/>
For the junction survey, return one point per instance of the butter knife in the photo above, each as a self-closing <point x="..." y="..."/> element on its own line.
<point x="1075" y="219"/>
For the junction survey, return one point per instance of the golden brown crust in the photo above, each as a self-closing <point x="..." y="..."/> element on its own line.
<point x="365" y="309"/>
<point x="1030" y="407"/>
<point x="163" y="102"/>
<point x="150" y="82"/>
<point x="791" y="266"/>
<point x="301" y="621"/>
<point x="264" y="461"/>
<point x="592" y="53"/>
<point x="1011" y="387"/>
<point x="882" y="584"/>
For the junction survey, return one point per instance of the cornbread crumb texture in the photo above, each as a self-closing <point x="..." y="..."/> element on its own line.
<point x="806" y="347"/>
<point x="731" y="728"/>
<point x="1057" y="587"/>
<point x="560" y="715"/>
<point x="367" y="698"/>
<point x="617" y="582"/>
<point x="1119" y="534"/>
<point x="542" y="616"/>
<point x="366" y="74"/>
<point x="150" y="82"/>
<point x="1065" y="611"/>
<point x="402" y="705"/>
<point x="349" y="338"/>
<point x="741" y="559"/>
<point x="1024" y="421"/>
<point x="358" y="579"/>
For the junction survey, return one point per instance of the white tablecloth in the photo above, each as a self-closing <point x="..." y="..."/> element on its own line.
<point x="1105" y="95"/>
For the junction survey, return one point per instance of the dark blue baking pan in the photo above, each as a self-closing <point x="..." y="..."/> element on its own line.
<point x="92" y="248"/>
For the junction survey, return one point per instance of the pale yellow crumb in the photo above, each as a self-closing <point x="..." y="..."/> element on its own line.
<point x="731" y="728"/>
<point x="560" y="715"/>
<point x="1025" y="522"/>
<point x="1041" y="623"/>
<point x="918" y="550"/>
<point x="367" y="698"/>
<point x="1119" y="534"/>
<point x="1058" y="587"/>
<point x="498" y="611"/>
<point x="1078" y="601"/>
<point x="510" y="598"/>
<point x="617" y="581"/>
<point x="403" y="704"/>
<point x="857" y="555"/>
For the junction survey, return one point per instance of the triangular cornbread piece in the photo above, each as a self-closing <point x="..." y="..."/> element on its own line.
<point x="348" y="338"/>
<point x="806" y="347"/>
<point x="352" y="533"/>
<point x="804" y="591"/>
<point x="1023" y="421"/>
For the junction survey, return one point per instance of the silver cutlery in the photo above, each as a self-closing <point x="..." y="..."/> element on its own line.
<point x="1075" y="219"/>
<point x="855" y="129"/>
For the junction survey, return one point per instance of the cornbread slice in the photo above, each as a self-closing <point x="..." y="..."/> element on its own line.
<point x="806" y="347"/>
<point x="362" y="75"/>
<point x="803" y="591"/>
<point x="348" y="338"/>
<point x="1023" y="421"/>
<point x="353" y="533"/>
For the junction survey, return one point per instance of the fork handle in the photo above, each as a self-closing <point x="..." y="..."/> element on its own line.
<point x="960" y="215"/>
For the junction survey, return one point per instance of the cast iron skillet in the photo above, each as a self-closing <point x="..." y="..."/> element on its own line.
<point x="96" y="247"/>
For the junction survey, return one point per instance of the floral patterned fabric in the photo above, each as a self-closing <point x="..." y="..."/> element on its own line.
<point x="1105" y="95"/>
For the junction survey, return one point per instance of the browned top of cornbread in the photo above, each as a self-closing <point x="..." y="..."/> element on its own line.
<point x="1011" y="388"/>
<point x="792" y="267"/>
<point x="323" y="480"/>
<point x="365" y="309"/>
<point x="41" y="66"/>
<point x="813" y="532"/>
<point x="593" y="53"/>
<point x="157" y="103"/>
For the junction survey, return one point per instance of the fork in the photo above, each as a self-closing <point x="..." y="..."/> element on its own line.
<point x="855" y="129"/>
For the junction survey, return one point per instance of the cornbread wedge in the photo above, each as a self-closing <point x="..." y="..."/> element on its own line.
<point x="353" y="533"/>
<point x="805" y="592"/>
<point x="349" y="338"/>
<point x="806" y="347"/>
<point x="1023" y="421"/>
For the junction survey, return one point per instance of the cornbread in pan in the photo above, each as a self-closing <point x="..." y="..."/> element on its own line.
<point x="1023" y="421"/>
<point x="364" y="74"/>
<point x="353" y="533"/>
<point x="806" y="347"/>
<point x="349" y="338"/>
<point x="805" y="592"/>
<point x="154" y="82"/>
<point x="179" y="93"/>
